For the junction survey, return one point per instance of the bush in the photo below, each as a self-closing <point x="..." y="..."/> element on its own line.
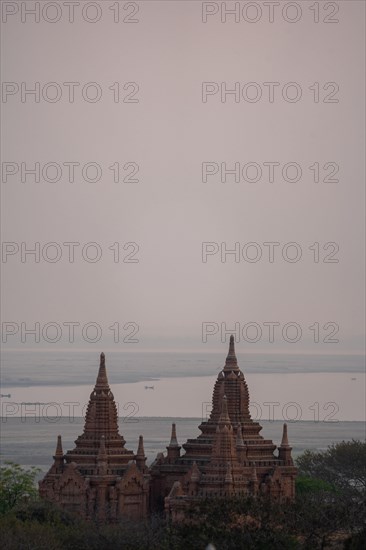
<point x="16" y="485"/>
<point x="343" y="465"/>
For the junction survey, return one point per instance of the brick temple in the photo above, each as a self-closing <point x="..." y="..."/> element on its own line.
<point x="101" y="480"/>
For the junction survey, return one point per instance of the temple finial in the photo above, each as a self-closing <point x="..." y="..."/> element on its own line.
<point x="173" y="438"/>
<point x="59" y="456"/>
<point x="59" y="452"/>
<point x="284" y="450"/>
<point x="173" y="448"/>
<point x="102" y="380"/>
<point x="140" y="450"/>
<point x="284" y="442"/>
<point x="140" y="455"/>
<point x="231" y="360"/>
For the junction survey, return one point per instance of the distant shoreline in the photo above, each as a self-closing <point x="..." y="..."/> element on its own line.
<point x="173" y="418"/>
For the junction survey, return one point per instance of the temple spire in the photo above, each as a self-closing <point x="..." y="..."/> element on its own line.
<point x="284" y="442"/>
<point x="173" y="437"/>
<point x="284" y="450"/>
<point x="59" y="452"/>
<point x="140" y="449"/>
<point x="102" y="380"/>
<point x="231" y="360"/>
<point x="59" y="456"/>
<point x="140" y="455"/>
<point x="224" y="443"/>
<point x="101" y="419"/>
<point x="173" y="448"/>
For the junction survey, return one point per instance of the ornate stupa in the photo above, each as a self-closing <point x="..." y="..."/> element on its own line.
<point x="229" y="457"/>
<point x="99" y="479"/>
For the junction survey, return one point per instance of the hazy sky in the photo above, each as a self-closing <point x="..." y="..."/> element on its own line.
<point x="169" y="52"/>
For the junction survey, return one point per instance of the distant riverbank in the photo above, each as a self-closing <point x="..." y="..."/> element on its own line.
<point x="288" y="396"/>
<point x="71" y="368"/>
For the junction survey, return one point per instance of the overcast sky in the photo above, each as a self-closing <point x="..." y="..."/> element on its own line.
<point x="175" y="127"/>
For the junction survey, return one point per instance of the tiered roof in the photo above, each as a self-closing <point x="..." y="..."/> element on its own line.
<point x="101" y="429"/>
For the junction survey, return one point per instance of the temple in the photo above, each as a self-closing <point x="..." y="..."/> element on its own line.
<point x="228" y="458"/>
<point x="101" y="480"/>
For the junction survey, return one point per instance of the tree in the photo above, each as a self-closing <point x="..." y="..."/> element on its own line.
<point x="16" y="535"/>
<point x="17" y="485"/>
<point x="309" y="485"/>
<point x="232" y="523"/>
<point x="343" y="465"/>
<point x="330" y="491"/>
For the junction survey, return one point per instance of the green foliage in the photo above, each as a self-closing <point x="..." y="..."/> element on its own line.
<point x="16" y="485"/>
<point x="45" y="513"/>
<point x="343" y="465"/>
<point x="233" y="524"/>
<point x="19" y="535"/>
<point x="228" y="524"/>
<point x="329" y="504"/>
<point x="41" y="525"/>
<point x="306" y="485"/>
<point x="330" y="492"/>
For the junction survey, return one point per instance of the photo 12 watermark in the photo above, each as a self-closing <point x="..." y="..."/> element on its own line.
<point x="69" y="252"/>
<point x="54" y="412"/>
<point x="269" y="252"/>
<point x="288" y="412"/>
<point x="269" y="172"/>
<point x="272" y="92"/>
<point x="69" y="92"/>
<point x="269" y="332"/>
<point x="270" y="12"/>
<point x="62" y="11"/>
<point x="70" y="332"/>
<point x="69" y="172"/>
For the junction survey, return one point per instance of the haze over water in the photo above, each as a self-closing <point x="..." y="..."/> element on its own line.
<point x="281" y="386"/>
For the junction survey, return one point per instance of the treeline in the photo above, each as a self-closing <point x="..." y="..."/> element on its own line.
<point x="328" y="513"/>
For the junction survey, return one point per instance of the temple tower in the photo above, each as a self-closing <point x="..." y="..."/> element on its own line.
<point x="232" y="384"/>
<point x="173" y="447"/>
<point x="230" y="456"/>
<point x="284" y="450"/>
<point x="140" y="455"/>
<point x="99" y="479"/>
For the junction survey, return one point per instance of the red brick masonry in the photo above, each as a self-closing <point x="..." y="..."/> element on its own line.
<point x="101" y="480"/>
